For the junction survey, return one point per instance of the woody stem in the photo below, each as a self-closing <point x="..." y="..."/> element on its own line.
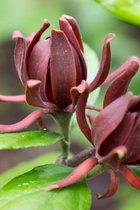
<point x="80" y="157"/>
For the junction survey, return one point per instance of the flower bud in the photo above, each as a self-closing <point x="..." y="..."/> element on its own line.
<point x="49" y="68"/>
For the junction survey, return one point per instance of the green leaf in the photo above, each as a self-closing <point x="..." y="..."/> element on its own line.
<point x="127" y="10"/>
<point x="28" y="139"/>
<point x="27" y="191"/>
<point x="27" y="166"/>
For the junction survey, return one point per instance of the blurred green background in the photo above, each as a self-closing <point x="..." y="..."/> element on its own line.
<point x="27" y="16"/>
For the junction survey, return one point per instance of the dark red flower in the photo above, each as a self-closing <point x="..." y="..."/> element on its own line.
<point x="50" y="68"/>
<point x="115" y="131"/>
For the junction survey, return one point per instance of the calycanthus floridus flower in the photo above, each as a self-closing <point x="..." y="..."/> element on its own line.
<point x="50" y="68"/>
<point x="114" y="132"/>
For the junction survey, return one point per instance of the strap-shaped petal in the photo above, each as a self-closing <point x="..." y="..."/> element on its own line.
<point x="62" y="69"/>
<point x="79" y="70"/>
<point x="92" y="107"/>
<point x="109" y="118"/>
<point x="75" y="28"/>
<point x="18" y="98"/>
<point x="20" y="53"/>
<point x="32" y="44"/>
<point x="77" y="175"/>
<point x="114" y="157"/>
<point x="123" y="67"/>
<point x="119" y="136"/>
<point x="27" y="121"/>
<point x="113" y="186"/>
<point x="120" y="84"/>
<point x="133" y="144"/>
<point x="80" y="96"/>
<point x="104" y="64"/>
<point x="38" y="64"/>
<point x="130" y="176"/>
<point x="70" y="33"/>
<point x="33" y="96"/>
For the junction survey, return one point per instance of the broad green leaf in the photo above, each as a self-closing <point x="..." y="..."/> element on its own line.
<point x="27" y="191"/>
<point x="27" y="166"/>
<point x="127" y="10"/>
<point x="26" y="139"/>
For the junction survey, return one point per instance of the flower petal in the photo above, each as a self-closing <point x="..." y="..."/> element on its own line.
<point x="79" y="70"/>
<point x="133" y="145"/>
<point x="20" y="52"/>
<point x="114" y="157"/>
<point x="120" y="84"/>
<point x="68" y="29"/>
<point x="130" y="176"/>
<point x="75" y="28"/>
<point x="27" y="121"/>
<point x="77" y="175"/>
<point x="80" y="95"/>
<point x="62" y="69"/>
<point x="92" y="107"/>
<point x="33" y="42"/>
<point x="119" y="136"/>
<point x="38" y="64"/>
<point x="33" y="96"/>
<point x="105" y="63"/>
<point x="118" y="71"/>
<point x="18" y="98"/>
<point x="91" y="118"/>
<point x="112" y="187"/>
<point x="109" y="118"/>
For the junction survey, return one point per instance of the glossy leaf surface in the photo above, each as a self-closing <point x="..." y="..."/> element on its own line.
<point x="26" y="139"/>
<point x="27" y="191"/>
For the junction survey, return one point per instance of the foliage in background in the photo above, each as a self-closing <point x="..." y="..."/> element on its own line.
<point x="127" y="10"/>
<point x="26" y="16"/>
<point x="128" y="196"/>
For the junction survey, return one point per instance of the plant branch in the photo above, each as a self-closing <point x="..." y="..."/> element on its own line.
<point x="79" y="158"/>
